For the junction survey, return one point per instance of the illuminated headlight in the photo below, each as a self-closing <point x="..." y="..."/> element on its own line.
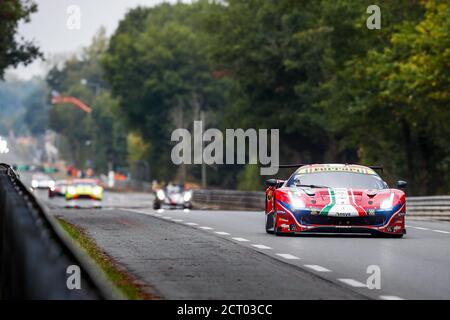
<point x="51" y="184"/>
<point x="97" y="190"/>
<point x="296" y="201"/>
<point x="160" y="195"/>
<point x="34" y="184"/>
<point x="387" y="203"/>
<point x="71" y="190"/>
<point x="187" y="196"/>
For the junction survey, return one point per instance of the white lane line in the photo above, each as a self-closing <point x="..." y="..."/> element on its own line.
<point x="177" y="220"/>
<point x="288" y="256"/>
<point x="191" y="224"/>
<point x="421" y="228"/>
<point x="168" y="218"/>
<point x="353" y="283"/>
<point x="139" y="211"/>
<point x="241" y="239"/>
<point x="317" y="268"/>
<point x="160" y="210"/>
<point x="186" y="210"/>
<point x="390" y="298"/>
<point x="440" y="231"/>
<point x="261" y="246"/>
<point x="222" y="233"/>
<point x="205" y="228"/>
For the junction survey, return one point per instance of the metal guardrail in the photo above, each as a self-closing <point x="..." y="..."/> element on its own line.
<point x="228" y="200"/>
<point x="435" y="207"/>
<point x="35" y="253"/>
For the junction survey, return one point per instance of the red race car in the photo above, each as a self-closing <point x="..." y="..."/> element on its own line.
<point x="335" y="198"/>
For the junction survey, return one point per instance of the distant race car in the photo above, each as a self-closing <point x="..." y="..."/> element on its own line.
<point x="173" y="196"/>
<point x="84" y="189"/>
<point x="59" y="189"/>
<point x="335" y="198"/>
<point x="41" y="181"/>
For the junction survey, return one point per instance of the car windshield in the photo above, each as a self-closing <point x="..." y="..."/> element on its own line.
<point x="85" y="184"/>
<point x="338" y="180"/>
<point x="174" y="189"/>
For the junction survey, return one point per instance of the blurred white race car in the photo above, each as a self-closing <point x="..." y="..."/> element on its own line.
<point x="174" y="196"/>
<point x="3" y="145"/>
<point x="42" y="181"/>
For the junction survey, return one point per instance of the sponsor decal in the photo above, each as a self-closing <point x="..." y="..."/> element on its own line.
<point x="342" y="168"/>
<point x="342" y="204"/>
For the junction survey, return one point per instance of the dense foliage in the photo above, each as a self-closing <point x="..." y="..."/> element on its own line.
<point x="15" y="50"/>
<point x="96" y="139"/>
<point x="336" y="90"/>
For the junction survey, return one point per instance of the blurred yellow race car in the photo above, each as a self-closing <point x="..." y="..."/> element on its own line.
<point x="84" y="189"/>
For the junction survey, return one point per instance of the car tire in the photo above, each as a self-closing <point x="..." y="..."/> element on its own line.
<point x="268" y="226"/>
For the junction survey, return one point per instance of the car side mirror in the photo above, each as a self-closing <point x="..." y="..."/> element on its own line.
<point x="401" y="184"/>
<point x="274" y="183"/>
<point x="271" y="182"/>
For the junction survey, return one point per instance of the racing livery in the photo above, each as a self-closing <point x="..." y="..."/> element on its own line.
<point x="84" y="189"/>
<point x="173" y="196"/>
<point x="335" y="198"/>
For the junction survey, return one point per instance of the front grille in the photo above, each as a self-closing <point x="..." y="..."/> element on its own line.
<point x="84" y="196"/>
<point x="343" y="221"/>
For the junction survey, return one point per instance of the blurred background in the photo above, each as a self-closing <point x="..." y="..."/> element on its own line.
<point x="95" y="90"/>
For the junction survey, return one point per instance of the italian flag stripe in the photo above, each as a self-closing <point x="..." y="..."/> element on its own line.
<point x="325" y="210"/>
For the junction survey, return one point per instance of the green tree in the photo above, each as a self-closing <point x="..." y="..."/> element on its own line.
<point x="394" y="105"/>
<point x="157" y="68"/>
<point x="96" y="138"/>
<point x="13" y="50"/>
<point x="36" y="114"/>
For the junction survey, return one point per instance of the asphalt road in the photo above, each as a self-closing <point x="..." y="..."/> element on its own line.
<point x="191" y="254"/>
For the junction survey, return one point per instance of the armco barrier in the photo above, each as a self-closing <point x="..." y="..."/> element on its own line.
<point x="35" y="253"/>
<point x="435" y="207"/>
<point x="228" y="200"/>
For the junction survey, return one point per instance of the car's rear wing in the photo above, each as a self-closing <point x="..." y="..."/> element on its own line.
<point x="298" y="165"/>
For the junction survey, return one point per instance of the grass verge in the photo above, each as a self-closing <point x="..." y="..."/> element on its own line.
<point x="121" y="279"/>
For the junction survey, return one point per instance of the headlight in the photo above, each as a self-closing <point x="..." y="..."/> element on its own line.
<point x="187" y="196"/>
<point x="160" y="195"/>
<point x="71" y="190"/>
<point x="386" y="204"/>
<point x="97" y="190"/>
<point x="51" y="184"/>
<point x="296" y="201"/>
<point x="34" y="184"/>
